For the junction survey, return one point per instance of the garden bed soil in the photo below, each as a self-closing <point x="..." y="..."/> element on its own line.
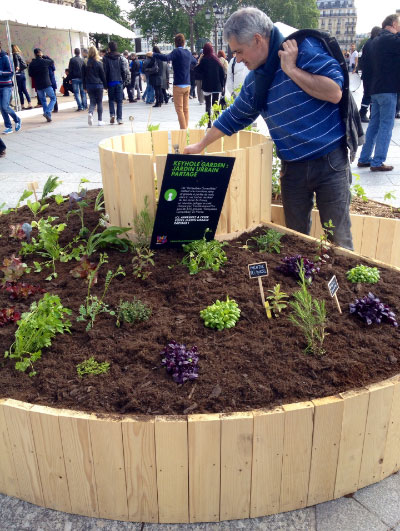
<point x="260" y="363"/>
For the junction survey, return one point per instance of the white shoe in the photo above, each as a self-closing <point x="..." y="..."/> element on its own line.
<point x="101" y="123"/>
<point x="90" y="119"/>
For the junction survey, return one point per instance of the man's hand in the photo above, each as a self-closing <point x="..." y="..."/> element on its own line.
<point x="149" y="54"/>
<point x="193" y="149"/>
<point x="288" y="56"/>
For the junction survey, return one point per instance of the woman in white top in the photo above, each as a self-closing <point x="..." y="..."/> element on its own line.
<point x="237" y="73"/>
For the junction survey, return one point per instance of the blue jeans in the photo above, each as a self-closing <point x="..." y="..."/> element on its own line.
<point x="149" y="95"/>
<point x="379" y="132"/>
<point x="329" y="177"/>
<point x="79" y="93"/>
<point x="115" y="96"/>
<point x="6" y="110"/>
<point x="21" y="82"/>
<point x="42" y="93"/>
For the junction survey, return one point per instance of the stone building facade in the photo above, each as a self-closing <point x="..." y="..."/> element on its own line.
<point x="339" y="18"/>
<point x="79" y="4"/>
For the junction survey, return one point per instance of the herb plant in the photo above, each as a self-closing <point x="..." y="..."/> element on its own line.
<point x="371" y="310"/>
<point x="143" y="224"/>
<point x="142" y="262"/>
<point x="180" y="362"/>
<point x="36" y="329"/>
<point x="91" y="366"/>
<point x="277" y="299"/>
<point x="356" y="190"/>
<point x="109" y="237"/>
<point x="221" y="314"/>
<point x="309" y="315"/>
<point x="269" y="242"/>
<point x="9" y="315"/>
<point x="363" y="274"/>
<point x="322" y="241"/>
<point x="291" y="267"/>
<point x="203" y="254"/>
<point x="132" y="312"/>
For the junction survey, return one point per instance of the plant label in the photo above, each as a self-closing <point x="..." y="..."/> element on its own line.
<point x="191" y="198"/>
<point x="333" y="287"/>
<point x="258" y="270"/>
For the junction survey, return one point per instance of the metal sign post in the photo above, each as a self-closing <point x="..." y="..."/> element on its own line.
<point x="15" y="87"/>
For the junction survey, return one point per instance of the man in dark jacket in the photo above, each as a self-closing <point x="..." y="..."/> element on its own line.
<point x="384" y="88"/>
<point x="117" y="72"/>
<point x="134" y="84"/>
<point x="39" y="70"/>
<point x="365" y="63"/>
<point x="6" y="84"/>
<point x="75" y="73"/>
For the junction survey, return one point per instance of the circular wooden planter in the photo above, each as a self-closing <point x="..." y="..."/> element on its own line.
<point x="198" y="468"/>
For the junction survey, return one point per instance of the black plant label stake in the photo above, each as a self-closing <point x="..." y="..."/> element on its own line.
<point x="333" y="287"/>
<point x="258" y="271"/>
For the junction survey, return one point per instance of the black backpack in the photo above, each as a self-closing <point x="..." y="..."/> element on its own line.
<point x="347" y="105"/>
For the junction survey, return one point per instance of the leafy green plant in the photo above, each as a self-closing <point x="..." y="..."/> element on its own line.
<point x="322" y="241"/>
<point x="153" y="127"/>
<point x="99" y="201"/>
<point x="36" y="329"/>
<point x="221" y="314"/>
<point x="203" y="254"/>
<point x="91" y="366"/>
<point x="390" y="196"/>
<point x="356" y="190"/>
<point x="143" y="225"/>
<point x="109" y="237"/>
<point x="78" y="199"/>
<point x="142" y="262"/>
<point x="277" y="299"/>
<point x="49" y="186"/>
<point x="36" y="207"/>
<point x="13" y="269"/>
<point x="310" y="316"/>
<point x="269" y="242"/>
<point x="132" y="312"/>
<point x="84" y="268"/>
<point x="363" y="274"/>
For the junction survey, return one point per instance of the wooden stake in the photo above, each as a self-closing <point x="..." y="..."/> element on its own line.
<point x="337" y="303"/>
<point x="33" y="186"/>
<point x="261" y="291"/>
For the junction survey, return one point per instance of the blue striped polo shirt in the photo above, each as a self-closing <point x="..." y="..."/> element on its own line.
<point x="302" y="127"/>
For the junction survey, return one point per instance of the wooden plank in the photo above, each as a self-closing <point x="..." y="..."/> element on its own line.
<point x="370" y="236"/>
<point x="231" y="142"/>
<point x="143" y="182"/>
<point x="267" y="461"/>
<point x="391" y="459"/>
<point x="127" y="203"/>
<point x="384" y="245"/>
<point x="79" y="463"/>
<point x="253" y="183"/>
<point x="144" y="144"/>
<point x="266" y="181"/>
<point x="257" y="138"/>
<point x="328" y="417"/>
<point x="129" y="143"/>
<point x="204" y="439"/>
<point x="357" y="224"/>
<point x="236" y="464"/>
<point x="160" y="142"/>
<point x="351" y="442"/>
<point x="161" y="161"/>
<point x="172" y="470"/>
<point x="178" y="137"/>
<point x="215" y="147"/>
<point x="23" y="450"/>
<point x="108" y="460"/>
<point x="50" y="458"/>
<point x="196" y="135"/>
<point x="278" y="215"/>
<point x="237" y="192"/>
<point x="379" y="409"/>
<point x="297" y="447"/>
<point x="116" y="142"/>
<point x="395" y="254"/>
<point x="111" y="187"/>
<point x="8" y="475"/>
<point x="140" y="469"/>
<point x="245" y="139"/>
<point x="316" y="229"/>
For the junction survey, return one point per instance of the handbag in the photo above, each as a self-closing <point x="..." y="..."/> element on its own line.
<point x="150" y="71"/>
<point x="62" y="89"/>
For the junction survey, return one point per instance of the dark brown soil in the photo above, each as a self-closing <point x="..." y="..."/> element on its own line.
<point x="259" y="363"/>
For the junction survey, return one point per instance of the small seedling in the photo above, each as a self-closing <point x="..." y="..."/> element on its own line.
<point x="92" y="367"/>
<point x="13" y="269"/>
<point x="322" y="241"/>
<point x="9" y="315"/>
<point x="221" y="314"/>
<point x="269" y="242"/>
<point x="390" y="196"/>
<point x="143" y="225"/>
<point x="291" y="267"/>
<point x="277" y="299"/>
<point x="356" y="190"/>
<point x="132" y="312"/>
<point x="142" y="262"/>
<point x="203" y="254"/>
<point x="363" y="274"/>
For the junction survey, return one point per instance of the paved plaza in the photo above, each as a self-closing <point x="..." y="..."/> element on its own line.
<point x="68" y="148"/>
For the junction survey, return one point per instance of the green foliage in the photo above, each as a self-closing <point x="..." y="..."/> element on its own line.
<point x="203" y="254"/>
<point x="221" y="314"/>
<point x="36" y="207"/>
<point x="36" y="329"/>
<point x="109" y="237"/>
<point x="356" y="190"/>
<point x="142" y="262"/>
<point x="143" y="225"/>
<point x="299" y="14"/>
<point x="49" y="186"/>
<point x="277" y="299"/>
<point x="363" y="274"/>
<point x="269" y="242"/>
<point x="99" y="201"/>
<point x="309" y="315"/>
<point x="153" y="127"/>
<point x="276" y="172"/>
<point x="111" y="9"/>
<point x="132" y="312"/>
<point x="91" y="366"/>
<point x="322" y="241"/>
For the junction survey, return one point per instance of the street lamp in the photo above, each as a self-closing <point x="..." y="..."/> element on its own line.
<point x="191" y="8"/>
<point x="219" y="15"/>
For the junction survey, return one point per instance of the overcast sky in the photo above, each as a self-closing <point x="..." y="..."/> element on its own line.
<point x="369" y="12"/>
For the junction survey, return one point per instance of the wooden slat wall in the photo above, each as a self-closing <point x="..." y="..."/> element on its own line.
<point x="110" y="186"/>
<point x="253" y="185"/>
<point x="391" y="460"/>
<point x="160" y="142"/>
<point x="178" y="137"/>
<point x="161" y="161"/>
<point x="144" y="143"/>
<point x="143" y="182"/>
<point x="266" y="180"/>
<point x="127" y="203"/>
<point x="237" y="191"/>
<point x="8" y="475"/>
<point x="231" y="142"/>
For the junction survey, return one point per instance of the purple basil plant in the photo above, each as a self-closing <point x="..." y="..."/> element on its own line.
<point x="76" y="197"/>
<point x="371" y="310"/>
<point x="291" y="267"/>
<point x="181" y="363"/>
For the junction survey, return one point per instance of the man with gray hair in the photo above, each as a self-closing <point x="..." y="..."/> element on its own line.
<point x="296" y="89"/>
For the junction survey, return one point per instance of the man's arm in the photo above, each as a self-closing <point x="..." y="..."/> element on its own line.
<point x="319" y="87"/>
<point x="212" y="135"/>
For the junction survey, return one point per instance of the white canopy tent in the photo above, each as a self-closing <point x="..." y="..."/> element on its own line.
<point x="285" y="29"/>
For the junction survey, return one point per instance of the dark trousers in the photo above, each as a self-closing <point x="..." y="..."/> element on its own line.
<point x="96" y="98"/>
<point x="210" y="100"/>
<point x="67" y="87"/>
<point x="115" y="96"/>
<point x="21" y="82"/>
<point x="2" y="146"/>
<point x="158" y="95"/>
<point x="329" y="177"/>
<point x="165" y="95"/>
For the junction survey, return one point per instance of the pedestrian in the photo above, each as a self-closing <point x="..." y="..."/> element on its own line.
<point x="6" y="85"/>
<point x="165" y="81"/>
<point x="192" y="93"/>
<point x="127" y="81"/>
<point x="2" y="148"/>
<point x="199" y="82"/>
<point x="94" y="81"/>
<point x="117" y="72"/>
<point x="154" y="71"/>
<point x="384" y="88"/>
<point x="237" y="73"/>
<point x="75" y="71"/>
<point x="135" y="75"/>
<point x="296" y="89"/>
<point x="213" y="77"/>
<point x="148" y="95"/>
<point x="39" y="71"/>
<point x="353" y="58"/>
<point x="67" y="83"/>
<point x="366" y="73"/>
<point x="20" y="66"/>
<point x="52" y="69"/>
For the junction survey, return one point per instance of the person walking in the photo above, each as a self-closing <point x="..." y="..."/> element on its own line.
<point x="165" y="81"/>
<point x="154" y="71"/>
<point x="237" y="73"/>
<point x="6" y="84"/>
<point x="117" y="72"/>
<point x="20" y="66"/>
<point x="353" y="58"/>
<point x="52" y="69"/>
<point x="39" y="71"/>
<point x="94" y="81"/>
<point x="148" y="94"/>
<point x="75" y="73"/>
<point x="366" y="73"/>
<point x="181" y="61"/>
<point x="199" y="82"/>
<point x="384" y="88"/>
<point x="135" y="76"/>
<point x="213" y="76"/>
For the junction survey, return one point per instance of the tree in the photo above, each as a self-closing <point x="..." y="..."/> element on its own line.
<point x="111" y="9"/>
<point x="299" y="14"/>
